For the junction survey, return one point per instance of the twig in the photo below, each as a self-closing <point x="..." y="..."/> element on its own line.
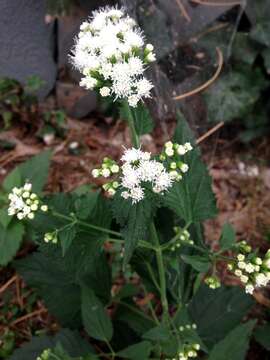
<point x="210" y="132"/>
<point x="261" y="299"/>
<point x="18" y="293"/>
<point x="183" y="10"/>
<point x="28" y="316"/>
<point x="209" y="31"/>
<point x="8" y="283"/>
<point x="208" y="83"/>
<point x="210" y="3"/>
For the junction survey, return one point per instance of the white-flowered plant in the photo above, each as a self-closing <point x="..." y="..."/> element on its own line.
<point x="111" y="53"/>
<point x="23" y="203"/>
<point x="140" y="173"/>
<point x="252" y="270"/>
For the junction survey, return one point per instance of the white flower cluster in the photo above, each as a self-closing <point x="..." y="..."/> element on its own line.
<point x="138" y="170"/>
<point x="111" y="54"/>
<point x="24" y="203"/>
<point x="252" y="270"/>
<point x="138" y="173"/>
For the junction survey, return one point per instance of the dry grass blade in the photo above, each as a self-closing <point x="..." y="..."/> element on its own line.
<point x="217" y="3"/>
<point x="28" y="316"/>
<point x="8" y="283"/>
<point x="208" y="83"/>
<point x="210" y="132"/>
<point x="183" y="10"/>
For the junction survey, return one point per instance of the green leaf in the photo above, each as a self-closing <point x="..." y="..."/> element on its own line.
<point x="12" y="179"/>
<point x="234" y="94"/>
<point x="140" y="115"/>
<point x="266" y="58"/>
<point x="138" y="321"/>
<point x="85" y="204"/>
<point x="199" y="263"/>
<point x="5" y="219"/>
<point x="138" y="351"/>
<point x="235" y="345"/>
<point x="10" y="240"/>
<point x="66" y="237"/>
<point x="57" y="279"/>
<point x="158" y="333"/>
<point x="192" y="198"/>
<point x="262" y="336"/>
<point x="217" y="312"/>
<point x="34" y="170"/>
<point x="260" y="32"/>
<point x="134" y="220"/>
<point x="244" y="49"/>
<point x="127" y="291"/>
<point x="95" y="319"/>
<point x="70" y="341"/>
<point x="227" y="239"/>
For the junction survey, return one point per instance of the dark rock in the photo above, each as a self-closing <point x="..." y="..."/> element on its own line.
<point x="76" y="101"/>
<point x="26" y="42"/>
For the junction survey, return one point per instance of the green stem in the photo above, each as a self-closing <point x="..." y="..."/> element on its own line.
<point x="85" y="224"/>
<point x="131" y="124"/>
<point x="161" y="271"/>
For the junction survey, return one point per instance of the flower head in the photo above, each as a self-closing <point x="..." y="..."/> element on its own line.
<point x="111" y="54"/>
<point x="24" y="203"/>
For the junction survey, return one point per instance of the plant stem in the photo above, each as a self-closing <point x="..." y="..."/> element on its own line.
<point x="130" y="120"/>
<point x="161" y="270"/>
<point x="85" y="224"/>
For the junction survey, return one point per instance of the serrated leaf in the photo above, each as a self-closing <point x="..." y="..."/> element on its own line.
<point x="234" y="94"/>
<point x="227" y="239"/>
<point x="262" y="336"/>
<point x="235" y="344"/>
<point x="66" y="237"/>
<point x="95" y="319"/>
<point x="57" y="279"/>
<point x="34" y="170"/>
<point x="138" y="351"/>
<point x="199" y="263"/>
<point x="158" y="333"/>
<point x="192" y="198"/>
<point x="134" y="220"/>
<point x="10" y="240"/>
<point x="140" y="115"/>
<point x="217" y="312"/>
<point x="85" y="204"/>
<point x="71" y="342"/>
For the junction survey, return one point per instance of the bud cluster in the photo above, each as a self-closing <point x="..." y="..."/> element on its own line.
<point x="213" y="282"/>
<point x="171" y="154"/>
<point x="51" y="237"/>
<point x="252" y="270"/>
<point x="108" y="168"/>
<point x="46" y="354"/>
<point x="183" y="236"/>
<point x="24" y="203"/>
